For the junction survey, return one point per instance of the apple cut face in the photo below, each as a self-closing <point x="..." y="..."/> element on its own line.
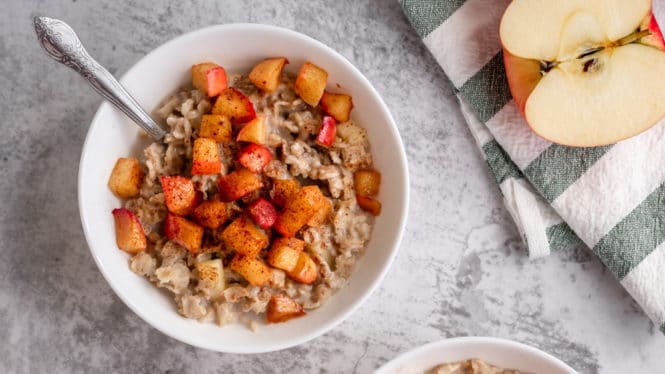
<point x="585" y="72"/>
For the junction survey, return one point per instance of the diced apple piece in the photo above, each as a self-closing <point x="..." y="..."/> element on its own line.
<point x="294" y="243"/>
<point x="306" y="271"/>
<point x="263" y="213"/>
<point x="180" y="194"/>
<point x="126" y="178"/>
<point x="254" y="131"/>
<point x="216" y="127"/>
<point x="267" y="74"/>
<point x="367" y="182"/>
<point x="254" y="157"/>
<point x="211" y="214"/>
<point x="129" y="235"/>
<point x="244" y="237"/>
<point x="183" y="232"/>
<point x="255" y="271"/>
<point x="238" y="184"/>
<point x="285" y="252"/>
<point x="337" y="105"/>
<point x="209" y="78"/>
<point x="211" y="277"/>
<point x="205" y="157"/>
<point x="282" y="189"/>
<point x="235" y="105"/>
<point x="369" y="204"/>
<point x="299" y="209"/>
<point x="326" y="136"/>
<point x="282" y="308"/>
<point x="351" y="133"/>
<point x="322" y="214"/>
<point x="310" y="83"/>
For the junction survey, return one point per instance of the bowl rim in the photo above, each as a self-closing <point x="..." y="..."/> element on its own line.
<point x="412" y="354"/>
<point x="391" y="127"/>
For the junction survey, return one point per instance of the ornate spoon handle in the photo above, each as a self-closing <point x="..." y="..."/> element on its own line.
<point x="62" y="44"/>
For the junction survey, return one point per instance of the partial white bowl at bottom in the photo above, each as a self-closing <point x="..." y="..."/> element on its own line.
<point x="503" y="353"/>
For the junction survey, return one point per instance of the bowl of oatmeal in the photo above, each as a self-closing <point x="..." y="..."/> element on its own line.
<point x="270" y="211"/>
<point x="475" y="355"/>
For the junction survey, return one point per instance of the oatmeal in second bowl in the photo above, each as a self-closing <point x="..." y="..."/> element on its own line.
<point x="247" y="212"/>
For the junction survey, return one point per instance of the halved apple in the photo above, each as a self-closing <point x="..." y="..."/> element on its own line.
<point x="585" y="72"/>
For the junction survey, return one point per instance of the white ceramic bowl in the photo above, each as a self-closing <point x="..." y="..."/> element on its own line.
<point x="237" y="47"/>
<point x="499" y="352"/>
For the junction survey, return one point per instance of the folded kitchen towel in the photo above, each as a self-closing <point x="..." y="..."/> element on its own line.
<point x="612" y="198"/>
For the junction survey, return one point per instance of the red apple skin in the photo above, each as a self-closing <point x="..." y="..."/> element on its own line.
<point x="327" y="133"/>
<point x="656" y="38"/>
<point x="216" y="78"/>
<point x="255" y="157"/>
<point x="524" y="74"/>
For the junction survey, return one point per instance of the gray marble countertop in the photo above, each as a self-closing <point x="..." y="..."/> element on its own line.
<point x="461" y="269"/>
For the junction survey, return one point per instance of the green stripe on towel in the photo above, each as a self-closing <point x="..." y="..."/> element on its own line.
<point x="561" y="236"/>
<point x="500" y="164"/>
<point x="662" y="328"/>
<point x="487" y="91"/>
<point x="635" y="237"/>
<point x="427" y="15"/>
<point x="558" y="167"/>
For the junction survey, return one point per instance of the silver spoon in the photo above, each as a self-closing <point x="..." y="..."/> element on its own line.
<point x="62" y="44"/>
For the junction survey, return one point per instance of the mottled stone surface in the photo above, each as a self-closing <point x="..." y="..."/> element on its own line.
<point x="461" y="269"/>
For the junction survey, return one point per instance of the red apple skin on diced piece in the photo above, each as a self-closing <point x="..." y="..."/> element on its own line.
<point x="129" y="233"/>
<point x="205" y="157"/>
<point x="263" y="213"/>
<point x="183" y="232"/>
<point x="238" y="184"/>
<point x="255" y="157"/>
<point x="235" y="105"/>
<point x="253" y="131"/>
<point x="565" y="70"/>
<point x="267" y="74"/>
<point x="216" y="127"/>
<point x="337" y="105"/>
<point x="310" y="83"/>
<point x="369" y="204"/>
<point x="180" y="194"/>
<point x="326" y="136"/>
<point x="282" y="308"/>
<point x="126" y="178"/>
<point x="209" y="78"/>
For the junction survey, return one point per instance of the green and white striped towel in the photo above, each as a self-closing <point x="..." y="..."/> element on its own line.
<point x="612" y="197"/>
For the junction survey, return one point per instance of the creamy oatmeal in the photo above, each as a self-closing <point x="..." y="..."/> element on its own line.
<point x="258" y="201"/>
<point x="473" y="366"/>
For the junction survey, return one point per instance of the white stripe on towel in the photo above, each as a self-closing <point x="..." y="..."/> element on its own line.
<point x="515" y="137"/>
<point x="646" y="283"/>
<point x="468" y="39"/>
<point x="634" y="167"/>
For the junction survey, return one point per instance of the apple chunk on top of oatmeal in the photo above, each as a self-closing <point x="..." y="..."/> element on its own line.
<point x="259" y="200"/>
